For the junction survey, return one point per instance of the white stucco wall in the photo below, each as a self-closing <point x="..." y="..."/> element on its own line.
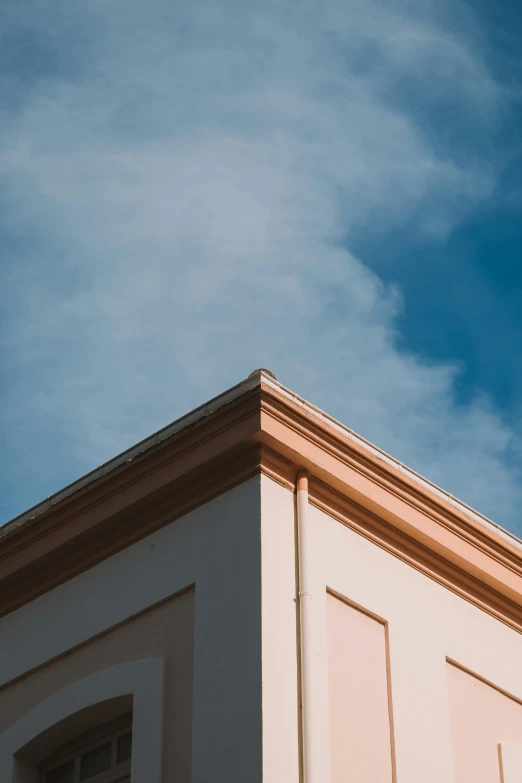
<point x="279" y="635"/>
<point x="239" y="552"/>
<point x="143" y="679"/>
<point x="216" y="547"/>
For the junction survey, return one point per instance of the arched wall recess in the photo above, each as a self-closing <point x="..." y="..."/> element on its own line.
<point x="141" y="680"/>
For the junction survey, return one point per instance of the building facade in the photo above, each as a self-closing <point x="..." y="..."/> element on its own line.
<point x="255" y="593"/>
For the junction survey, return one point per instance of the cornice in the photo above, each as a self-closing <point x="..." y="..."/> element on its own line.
<point x="460" y="581"/>
<point x="264" y="431"/>
<point x="388" y="506"/>
<point x="345" y="452"/>
<point x="140" y="496"/>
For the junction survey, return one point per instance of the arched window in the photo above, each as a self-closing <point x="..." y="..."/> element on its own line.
<point x="94" y="730"/>
<point x="100" y="755"/>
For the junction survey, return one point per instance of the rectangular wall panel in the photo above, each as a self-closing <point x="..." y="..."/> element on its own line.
<point x="511" y="762"/>
<point x="483" y="721"/>
<point x="359" y="709"/>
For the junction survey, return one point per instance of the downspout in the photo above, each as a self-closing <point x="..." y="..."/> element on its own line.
<point x="305" y="624"/>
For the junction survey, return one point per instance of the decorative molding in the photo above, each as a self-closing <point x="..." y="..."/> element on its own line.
<point x="415" y="554"/>
<point x="510" y="758"/>
<point x="378" y="693"/>
<point x="265" y="431"/>
<point x="277" y="468"/>
<point x="480" y="678"/>
<point x="101" y="538"/>
<point x="392" y="509"/>
<point x="143" y="680"/>
<point x="347" y="452"/>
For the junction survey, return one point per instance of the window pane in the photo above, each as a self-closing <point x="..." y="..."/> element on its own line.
<point x="95" y="761"/>
<point x="124" y="747"/>
<point x="62" y="774"/>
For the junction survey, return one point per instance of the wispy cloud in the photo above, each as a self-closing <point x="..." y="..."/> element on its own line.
<point x="192" y="187"/>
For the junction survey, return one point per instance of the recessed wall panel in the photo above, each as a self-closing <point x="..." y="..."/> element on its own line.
<point x="360" y="728"/>
<point x="483" y="719"/>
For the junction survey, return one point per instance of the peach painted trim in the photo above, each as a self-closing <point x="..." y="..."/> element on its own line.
<point x="264" y="431"/>
<point x="407" y="549"/>
<point x="479" y="677"/>
<point x="459" y="545"/>
<point x="378" y="454"/>
<point x="344" y="464"/>
<point x="510" y="761"/>
<point x="38" y="563"/>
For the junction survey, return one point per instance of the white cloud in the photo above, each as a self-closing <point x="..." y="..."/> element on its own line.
<point x="205" y="181"/>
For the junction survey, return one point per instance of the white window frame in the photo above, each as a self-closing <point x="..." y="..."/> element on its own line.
<point x="141" y="679"/>
<point x="77" y="750"/>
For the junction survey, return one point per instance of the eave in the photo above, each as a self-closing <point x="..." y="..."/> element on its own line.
<point x="261" y="427"/>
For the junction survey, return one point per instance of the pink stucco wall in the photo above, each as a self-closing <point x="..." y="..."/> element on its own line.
<point x="446" y="725"/>
<point x="359" y="711"/>
<point x="482" y="718"/>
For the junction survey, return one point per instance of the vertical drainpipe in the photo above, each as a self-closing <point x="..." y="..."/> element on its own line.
<point x="305" y="622"/>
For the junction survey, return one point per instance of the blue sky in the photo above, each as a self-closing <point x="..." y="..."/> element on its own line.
<point x="187" y="193"/>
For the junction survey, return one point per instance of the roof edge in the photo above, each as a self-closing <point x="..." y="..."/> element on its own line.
<point x="226" y="397"/>
<point x="260" y="377"/>
<point x="375" y="451"/>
